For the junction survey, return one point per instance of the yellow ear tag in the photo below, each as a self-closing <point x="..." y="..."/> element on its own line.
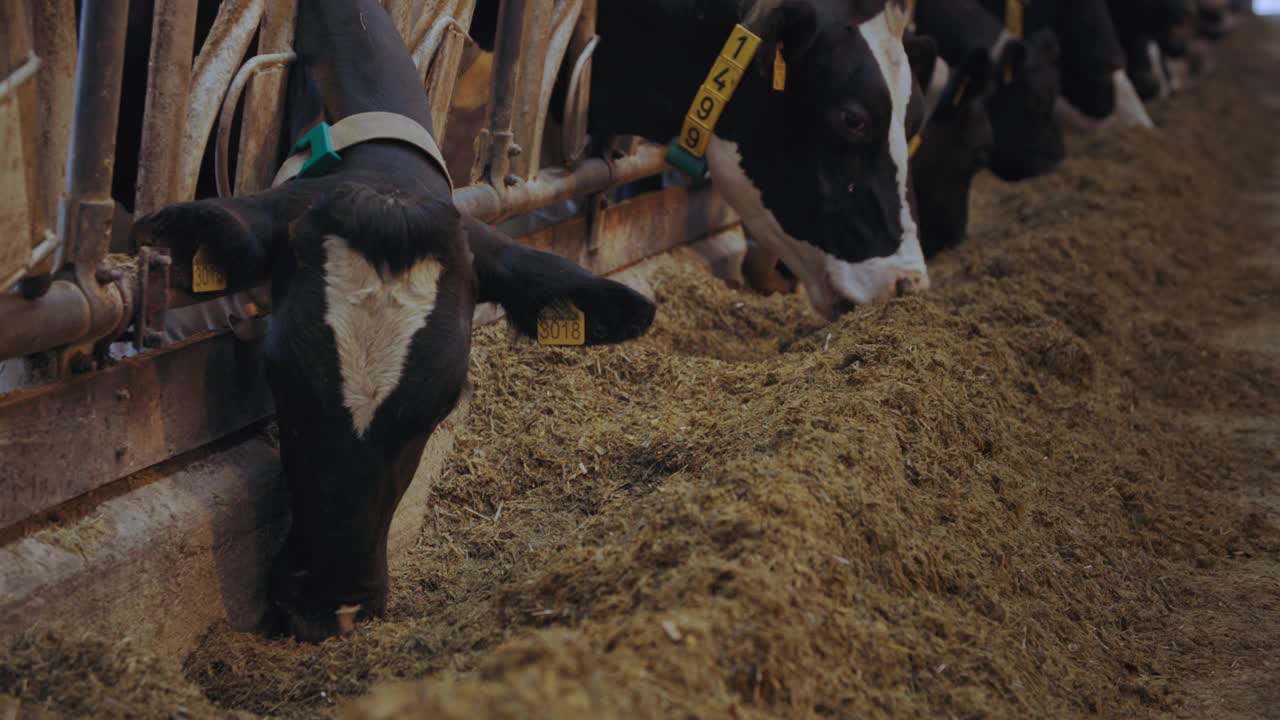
<point x="779" y="70"/>
<point x="958" y="96"/>
<point x="205" y="276"/>
<point x="562" y="324"/>
<point x="914" y="146"/>
<point x="1013" y="17"/>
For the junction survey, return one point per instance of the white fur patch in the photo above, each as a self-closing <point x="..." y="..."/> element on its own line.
<point x="374" y="318"/>
<point x="886" y="48"/>
<point x="937" y="85"/>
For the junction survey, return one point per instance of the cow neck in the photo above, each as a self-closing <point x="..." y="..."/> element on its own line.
<point x="318" y="151"/>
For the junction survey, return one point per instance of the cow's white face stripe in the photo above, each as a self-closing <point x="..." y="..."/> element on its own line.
<point x="374" y="318"/>
<point x="886" y="48"/>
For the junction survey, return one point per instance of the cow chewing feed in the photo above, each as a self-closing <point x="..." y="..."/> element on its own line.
<point x="1024" y="83"/>
<point x="375" y="278"/>
<point x="818" y="171"/>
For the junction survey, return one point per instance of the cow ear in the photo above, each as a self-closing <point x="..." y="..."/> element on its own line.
<point x="922" y="53"/>
<point x="970" y="83"/>
<point x="1012" y="59"/>
<point x="526" y="281"/>
<point x="238" y="235"/>
<point x="791" y="23"/>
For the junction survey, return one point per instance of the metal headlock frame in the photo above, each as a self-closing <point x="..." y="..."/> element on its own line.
<point x="76" y="297"/>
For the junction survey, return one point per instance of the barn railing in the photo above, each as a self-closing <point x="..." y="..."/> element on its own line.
<point x="67" y="296"/>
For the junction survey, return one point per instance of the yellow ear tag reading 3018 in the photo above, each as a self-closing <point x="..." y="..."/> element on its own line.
<point x="562" y="324"/>
<point x="205" y="276"/>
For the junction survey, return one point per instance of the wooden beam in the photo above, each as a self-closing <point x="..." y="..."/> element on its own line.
<point x="62" y="440"/>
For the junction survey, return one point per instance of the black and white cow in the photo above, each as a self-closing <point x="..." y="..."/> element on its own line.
<point x="1095" y="86"/>
<point x="954" y="145"/>
<point x="1023" y="88"/>
<point x="1146" y="29"/>
<point x="818" y="172"/>
<point x="375" y="277"/>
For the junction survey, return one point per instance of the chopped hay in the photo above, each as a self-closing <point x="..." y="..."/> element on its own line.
<point x="1014" y="497"/>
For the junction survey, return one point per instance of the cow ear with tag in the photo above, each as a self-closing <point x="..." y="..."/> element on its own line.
<point x="970" y="82"/>
<point x="219" y="244"/>
<point x="787" y="29"/>
<point x="922" y="53"/>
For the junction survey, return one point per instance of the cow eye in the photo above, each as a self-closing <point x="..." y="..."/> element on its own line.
<point x="853" y="123"/>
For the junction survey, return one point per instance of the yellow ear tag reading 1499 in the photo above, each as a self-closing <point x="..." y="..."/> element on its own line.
<point x="206" y="276"/>
<point x="562" y="324"/>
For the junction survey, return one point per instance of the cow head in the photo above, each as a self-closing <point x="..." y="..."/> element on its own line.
<point x="1028" y="139"/>
<point x="374" y="288"/>
<point x="819" y="171"/>
<point x="955" y="144"/>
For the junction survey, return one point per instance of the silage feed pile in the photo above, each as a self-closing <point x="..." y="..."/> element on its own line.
<point x="1024" y="495"/>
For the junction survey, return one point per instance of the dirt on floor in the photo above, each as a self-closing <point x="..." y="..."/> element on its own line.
<point x="1045" y="489"/>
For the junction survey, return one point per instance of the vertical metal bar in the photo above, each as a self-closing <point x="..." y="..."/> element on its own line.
<point x="573" y="137"/>
<point x="215" y="66"/>
<point x="443" y="77"/>
<point x="88" y="208"/>
<point x="512" y="18"/>
<point x="21" y="203"/>
<point x="264" y="107"/>
<point x="173" y="32"/>
<point x="53" y="25"/>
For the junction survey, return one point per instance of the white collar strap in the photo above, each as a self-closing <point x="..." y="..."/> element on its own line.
<point x="362" y="128"/>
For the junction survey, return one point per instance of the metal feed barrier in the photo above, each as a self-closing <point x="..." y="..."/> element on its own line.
<point x="65" y="297"/>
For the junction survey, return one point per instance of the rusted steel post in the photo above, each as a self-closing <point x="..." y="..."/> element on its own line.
<point x="264" y="105"/>
<point x="498" y="147"/>
<point x="583" y="43"/>
<point x="553" y="30"/>
<point x="216" y="65"/>
<point x="441" y="75"/>
<point x="21" y="202"/>
<point x="173" y="32"/>
<point x="53" y="24"/>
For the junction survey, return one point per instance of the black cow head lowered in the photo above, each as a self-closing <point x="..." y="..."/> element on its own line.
<point x="1024" y="85"/>
<point x="819" y="171"/>
<point x="1029" y="141"/>
<point x="375" y="278"/>
<point x="955" y="145"/>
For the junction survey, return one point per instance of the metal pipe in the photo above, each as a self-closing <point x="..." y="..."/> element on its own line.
<point x="217" y="63"/>
<point x="173" y="37"/>
<point x="506" y="86"/>
<point x="229" y="103"/>
<point x="53" y="25"/>
<point x="87" y="309"/>
<point x="485" y="203"/>
<point x="93" y="131"/>
<point x="441" y="75"/>
<point x="262" y="122"/>
<point x="60" y="316"/>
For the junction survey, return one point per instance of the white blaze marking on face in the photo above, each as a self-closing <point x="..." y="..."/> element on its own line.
<point x="1002" y="41"/>
<point x="374" y="319"/>
<point x="1129" y="107"/>
<point x="1156" y="58"/>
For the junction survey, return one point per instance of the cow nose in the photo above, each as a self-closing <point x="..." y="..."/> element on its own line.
<point x="841" y="307"/>
<point x="909" y="285"/>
